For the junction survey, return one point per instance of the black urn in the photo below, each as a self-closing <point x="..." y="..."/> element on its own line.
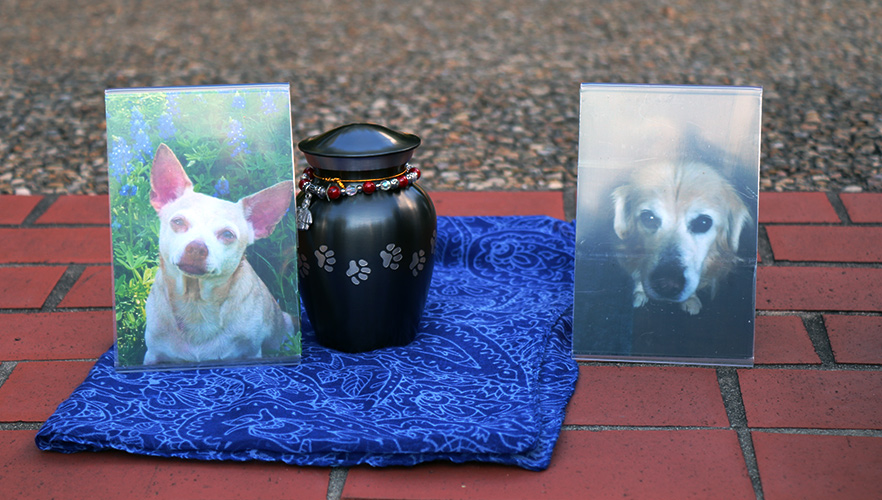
<point x="366" y="238"/>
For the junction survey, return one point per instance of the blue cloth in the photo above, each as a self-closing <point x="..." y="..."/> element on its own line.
<point x="487" y="378"/>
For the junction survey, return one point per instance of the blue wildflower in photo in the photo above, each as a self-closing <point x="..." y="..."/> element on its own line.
<point x="236" y="139"/>
<point x="221" y="187"/>
<point x="238" y="101"/>
<point x="142" y="146"/>
<point x="137" y="120"/>
<point x="165" y="126"/>
<point x="268" y="104"/>
<point x="128" y="190"/>
<point x="172" y="105"/>
<point x="121" y="156"/>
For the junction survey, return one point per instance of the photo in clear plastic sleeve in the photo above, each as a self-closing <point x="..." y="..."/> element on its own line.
<point x="666" y="225"/>
<point x="202" y="224"/>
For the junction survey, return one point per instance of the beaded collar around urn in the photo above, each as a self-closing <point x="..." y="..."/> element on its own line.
<point x="359" y="148"/>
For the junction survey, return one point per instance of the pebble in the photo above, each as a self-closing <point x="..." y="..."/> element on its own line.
<point x="491" y="87"/>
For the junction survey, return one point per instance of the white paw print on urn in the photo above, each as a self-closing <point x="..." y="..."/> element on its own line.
<point x="358" y="272"/>
<point x="418" y="262"/>
<point x="391" y="256"/>
<point x="325" y="258"/>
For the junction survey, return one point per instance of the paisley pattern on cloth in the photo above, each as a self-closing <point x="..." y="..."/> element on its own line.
<point x="487" y="378"/>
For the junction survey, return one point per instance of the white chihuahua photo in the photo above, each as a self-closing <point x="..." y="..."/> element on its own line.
<point x="207" y="303"/>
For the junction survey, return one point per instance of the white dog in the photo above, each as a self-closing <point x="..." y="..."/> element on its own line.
<point x="207" y="303"/>
<point x="679" y="225"/>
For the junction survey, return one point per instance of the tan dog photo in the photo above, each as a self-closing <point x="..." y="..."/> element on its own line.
<point x="679" y="226"/>
<point x="207" y="303"/>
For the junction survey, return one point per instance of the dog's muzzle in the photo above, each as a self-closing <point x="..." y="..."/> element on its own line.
<point x="193" y="260"/>
<point x="667" y="280"/>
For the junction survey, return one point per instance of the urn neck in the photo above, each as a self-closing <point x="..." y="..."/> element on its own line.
<point x="361" y="175"/>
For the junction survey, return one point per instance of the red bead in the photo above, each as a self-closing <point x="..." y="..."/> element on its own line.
<point x="368" y="187"/>
<point x="402" y="181"/>
<point x="333" y="192"/>
<point x="302" y="183"/>
<point x="309" y="172"/>
<point x="417" y="172"/>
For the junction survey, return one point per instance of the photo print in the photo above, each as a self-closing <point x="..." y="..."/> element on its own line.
<point x="666" y="225"/>
<point x="201" y="184"/>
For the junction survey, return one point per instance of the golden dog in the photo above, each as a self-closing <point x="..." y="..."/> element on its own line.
<point x="679" y="226"/>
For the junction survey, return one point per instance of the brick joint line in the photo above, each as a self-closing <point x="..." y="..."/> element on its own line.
<point x="63" y="286"/>
<point x="817" y="332"/>
<point x="730" y="390"/>
<point x="6" y="368"/>
<point x="839" y="208"/>
<point x="764" y="247"/>
<point x="38" y="211"/>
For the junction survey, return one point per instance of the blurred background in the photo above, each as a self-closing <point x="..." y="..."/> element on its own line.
<point x="492" y="86"/>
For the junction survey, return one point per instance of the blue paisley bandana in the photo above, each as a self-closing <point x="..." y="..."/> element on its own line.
<point x="487" y="378"/>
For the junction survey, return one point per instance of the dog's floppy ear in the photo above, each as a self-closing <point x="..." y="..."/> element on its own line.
<point x="265" y="209"/>
<point x="739" y="218"/>
<point x="621" y="221"/>
<point x="168" y="181"/>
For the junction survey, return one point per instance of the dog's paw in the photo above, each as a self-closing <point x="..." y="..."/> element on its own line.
<point x="692" y="305"/>
<point x="640" y="298"/>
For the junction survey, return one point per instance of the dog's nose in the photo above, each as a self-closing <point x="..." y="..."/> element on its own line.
<point x="196" y="250"/>
<point x="668" y="279"/>
<point x="194" y="258"/>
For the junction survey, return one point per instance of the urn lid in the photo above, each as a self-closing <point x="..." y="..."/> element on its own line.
<point x="359" y="146"/>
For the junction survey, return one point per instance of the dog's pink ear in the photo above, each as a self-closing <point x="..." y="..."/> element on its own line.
<point x="621" y="221"/>
<point x="168" y="181"/>
<point x="266" y="208"/>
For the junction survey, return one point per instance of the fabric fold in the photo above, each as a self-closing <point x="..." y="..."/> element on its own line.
<point x="487" y="378"/>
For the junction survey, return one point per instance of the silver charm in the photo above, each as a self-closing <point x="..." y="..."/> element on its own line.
<point x="304" y="216"/>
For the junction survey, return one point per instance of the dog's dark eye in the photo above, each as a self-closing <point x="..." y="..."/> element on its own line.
<point x="649" y="220"/>
<point x="701" y="224"/>
<point x="227" y="236"/>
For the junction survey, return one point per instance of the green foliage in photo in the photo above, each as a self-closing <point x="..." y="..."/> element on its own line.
<point x="232" y="142"/>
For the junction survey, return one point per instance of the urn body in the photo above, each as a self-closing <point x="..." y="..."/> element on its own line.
<point x="366" y="259"/>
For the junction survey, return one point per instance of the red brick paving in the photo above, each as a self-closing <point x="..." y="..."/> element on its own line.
<point x="783" y="340"/>
<point x="61" y="245"/>
<point x="818" y="289"/>
<point x="824" y="467"/>
<point x="26" y="472"/>
<point x="863" y="207"/>
<point x="14" y="209"/>
<point x="818" y="399"/>
<point x="94" y="288"/>
<point x="826" y="243"/>
<point x="36" y="388"/>
<point x="796" y="208"/>
<point x="27" y="287"/>
<point x="605" y="464"/>
<point x="55" y="335"/>
<point x="77" y="209"/>
<point x="631" y="431"/>
<point x="855" y="339"/>
<point x="498" y="203"/>
<point x="647" y="396"/>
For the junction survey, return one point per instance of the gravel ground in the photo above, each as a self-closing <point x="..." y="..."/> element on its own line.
<point x="491" y="86"/>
